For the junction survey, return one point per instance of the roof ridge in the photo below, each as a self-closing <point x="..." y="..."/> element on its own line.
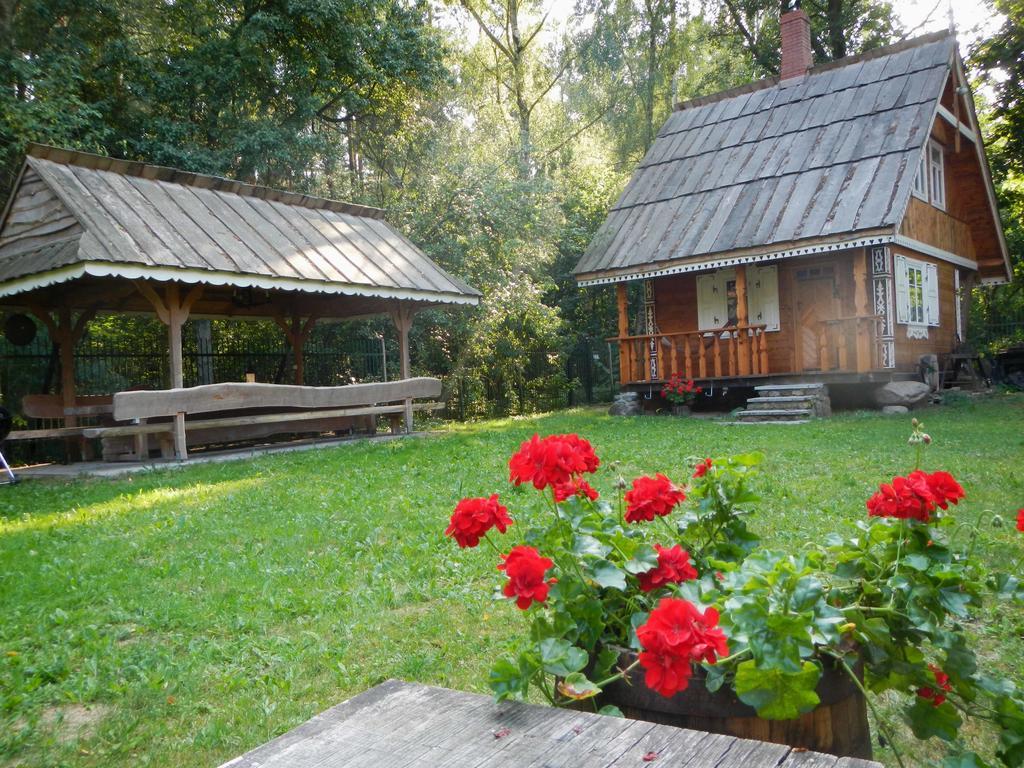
<point x="771" y="82"/>
<point x="187" y="178"/>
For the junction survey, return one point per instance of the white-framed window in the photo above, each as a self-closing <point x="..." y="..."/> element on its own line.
<point x="936" y="175"/>
<point x="716" y="298"/>
<point x="930" y="179"/>
<point x="917" y="296"/>
<point x="920" y="189"/>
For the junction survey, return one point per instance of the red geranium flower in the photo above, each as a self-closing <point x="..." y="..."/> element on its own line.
<point x="675" y="635"/>
<point x="916" y="496"/>
<point x="651" y="496"/>
<point x="575" y="487"/>
<point x="673" y="567"/>
<point x="702" y="469"/>
<point x="936" y="695"/>
<point x="525" y="569"/>
<point x="1020" y="520"/>
<point x="553" y="460"/>
<point x="473" y="518"/>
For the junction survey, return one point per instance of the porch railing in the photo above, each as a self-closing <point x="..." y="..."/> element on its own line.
<point x="731" y="351"/>
<point x="849" y="343"/>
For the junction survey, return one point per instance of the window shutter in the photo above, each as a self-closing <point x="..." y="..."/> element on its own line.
<point x="931" y="294"/>
<point x="763" y="297"/>
<point x="712" y="307"/>
<point x="902" y="290"/>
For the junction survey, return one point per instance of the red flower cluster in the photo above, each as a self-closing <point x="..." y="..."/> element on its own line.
<point x="651" y="496"/>
<point x="702" y="469"/>
<point x="552" y="461"/>
<point x="675" y="636"/>
<point x="915" y="496"/>
<point x="673" y="567"/>
<point x="575" y="487"/>
<point x="473" y="518"/>
<point x="936" y="695"/>
<point x="1020" y="520"/>
<point x="678" y="388"/>
<point x="525" y="569"/>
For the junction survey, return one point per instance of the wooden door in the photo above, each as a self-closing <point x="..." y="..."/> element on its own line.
<point x="816" y="301"/>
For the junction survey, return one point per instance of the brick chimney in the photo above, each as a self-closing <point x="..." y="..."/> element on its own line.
<point x="796" y="44"/>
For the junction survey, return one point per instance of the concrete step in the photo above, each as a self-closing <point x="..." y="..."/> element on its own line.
<point x="775" y="415"/>
<point x="782" y="403"/>
<point x="801" y="387"/>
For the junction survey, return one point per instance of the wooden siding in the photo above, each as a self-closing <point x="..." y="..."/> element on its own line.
<point x="36" y="218"/>
<point x="941" y="338"/>
<point x="676" y="307"/>
<point x="927" y="224"/>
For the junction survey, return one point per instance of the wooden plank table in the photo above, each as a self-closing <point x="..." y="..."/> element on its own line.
<point x="417" y="726"/>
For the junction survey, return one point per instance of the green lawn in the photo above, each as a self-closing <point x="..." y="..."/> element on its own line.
<point x="182" y="617"/>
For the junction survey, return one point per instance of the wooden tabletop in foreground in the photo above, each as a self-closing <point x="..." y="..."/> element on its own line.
<point x="418" y="726"/>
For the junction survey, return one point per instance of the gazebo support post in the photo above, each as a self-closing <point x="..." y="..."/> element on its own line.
<point x="173" y="311"/>
<point x="66" y="335"/>
<point x="297" y="332"/>
<point x="402" y="316"/>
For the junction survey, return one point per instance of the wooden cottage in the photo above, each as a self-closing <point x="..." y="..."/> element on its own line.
<point x="824" y="226"/>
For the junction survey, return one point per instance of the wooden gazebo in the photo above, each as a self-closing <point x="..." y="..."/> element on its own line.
<point x="84" y="234"/>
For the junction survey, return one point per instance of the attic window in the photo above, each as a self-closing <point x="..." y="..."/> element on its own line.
<point x="936" y="175"/>
<point x="930" y="180"/>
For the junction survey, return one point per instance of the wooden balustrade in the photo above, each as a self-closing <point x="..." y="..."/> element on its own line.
<point x="732" y="351"/>
<point x="838" y="347"/>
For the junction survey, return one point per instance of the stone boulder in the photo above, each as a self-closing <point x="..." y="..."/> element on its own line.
<point x="895" y="409"/>
<point x="626" y="404"/>
<point x="905" y="393"/>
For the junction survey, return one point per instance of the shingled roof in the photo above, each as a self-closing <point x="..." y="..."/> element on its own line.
<point x="829" y="158"/>
<point x="75" y="214"/>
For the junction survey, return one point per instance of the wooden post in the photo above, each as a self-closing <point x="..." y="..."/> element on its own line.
<point x="742" y="343"/>
<point x="173" y="311"/>
<point x="297" y="332"/>
<point x="402" y="316"/>
<point x="66" y="335"/>
<point x="622" y="298"/>
<point x="864" y="327"/>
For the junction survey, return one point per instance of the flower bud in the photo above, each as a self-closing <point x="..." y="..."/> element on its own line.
<point x="997" y="521"/>
<point x="915" y="423"/>
<point x="620" y="483"/>
<point x="926" y="439"/>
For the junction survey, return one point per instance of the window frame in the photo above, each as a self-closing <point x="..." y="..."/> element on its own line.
<point x="916" y="311"/>
<point x="920" y="188"/>
<point x="936" y="174"/>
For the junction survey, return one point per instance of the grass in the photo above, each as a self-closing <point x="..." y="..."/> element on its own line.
<point x="181" y="618"/>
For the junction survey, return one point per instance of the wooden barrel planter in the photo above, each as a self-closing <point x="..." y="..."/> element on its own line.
<point x="838" y="726"/>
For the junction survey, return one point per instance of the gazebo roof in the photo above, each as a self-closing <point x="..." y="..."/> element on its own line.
<point x="75" y="215"/>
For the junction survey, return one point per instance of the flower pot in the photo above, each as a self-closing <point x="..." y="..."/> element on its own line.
<point x="680" y="410"/>
<point x="837" y="726"/>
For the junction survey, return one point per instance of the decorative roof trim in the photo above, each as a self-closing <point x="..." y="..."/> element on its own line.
<point x="806" y="250"/>
<point x="209" y="277"/>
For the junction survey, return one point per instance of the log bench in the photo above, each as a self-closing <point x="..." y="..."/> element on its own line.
<point x="174" y="420"/>
<point x="51" y="408"/>
<point x="417" y="726"/>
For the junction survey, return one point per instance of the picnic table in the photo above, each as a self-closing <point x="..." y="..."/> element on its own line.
<point x="418" y="726"/>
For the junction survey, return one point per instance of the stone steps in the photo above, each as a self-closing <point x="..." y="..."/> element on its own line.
<point x="786" y="404"/>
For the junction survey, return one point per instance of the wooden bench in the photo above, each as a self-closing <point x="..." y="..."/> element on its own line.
<point x="416" y="726"/>
<point x="176" y="419"/>
<point x="51" y="408"/>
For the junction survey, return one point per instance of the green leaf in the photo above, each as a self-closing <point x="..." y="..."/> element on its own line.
<point x="778" y="695"/>
<point x="561" y="658"/>
<point x="917" y="562"/>
<point x="509" y="680"/>
<point x="954" y="601"/>
<point x="644" y="560"/>
<point x="714" y="677"/>
<point x="607" y="575"/>
<point x="610" y="710"/>
<point x="964" y="760"/>
<point x="927" y="720"/>
<point x="606" y="660"/>
<point x="588" y="545"/>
